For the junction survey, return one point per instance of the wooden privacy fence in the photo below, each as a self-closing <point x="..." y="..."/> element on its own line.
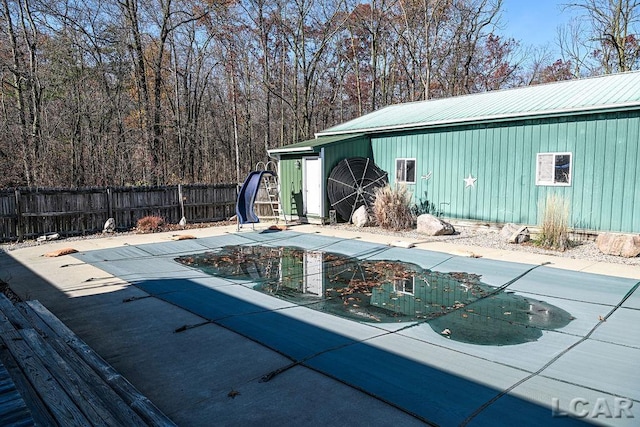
<point x="29" y="213"/>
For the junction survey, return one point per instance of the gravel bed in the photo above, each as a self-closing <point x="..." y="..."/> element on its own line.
<point x="6" y="247"/>
<point x="583" y="249"/>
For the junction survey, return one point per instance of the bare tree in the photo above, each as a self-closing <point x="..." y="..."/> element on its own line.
<point x="609" y="40"/>
<point x="164" y="91"/>
<point x="423" y="28"/>
<point x="24" y="38"/>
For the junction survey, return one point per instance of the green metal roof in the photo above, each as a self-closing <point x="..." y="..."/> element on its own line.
<point x="310" y="145"/>
<point x="609" y="92"/>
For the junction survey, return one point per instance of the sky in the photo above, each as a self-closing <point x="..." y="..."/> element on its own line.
<point x="534" y="22"/>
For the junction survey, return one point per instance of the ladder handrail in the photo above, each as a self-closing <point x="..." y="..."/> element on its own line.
<point x="270" y="185"/>
<point x="269" y="166"/>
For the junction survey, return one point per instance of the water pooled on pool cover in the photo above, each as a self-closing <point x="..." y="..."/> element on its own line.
<point x="457" y="305"/>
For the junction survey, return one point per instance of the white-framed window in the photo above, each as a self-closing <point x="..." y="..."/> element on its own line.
<point x="404" y="285"/>
<point x="406" y="170"/>
<point x="554" y="169"/>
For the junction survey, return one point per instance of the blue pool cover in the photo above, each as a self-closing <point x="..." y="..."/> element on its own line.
<point x="437" y="380"/>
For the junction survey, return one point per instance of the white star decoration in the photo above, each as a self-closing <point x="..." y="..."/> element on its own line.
<point x="469" y="181"/>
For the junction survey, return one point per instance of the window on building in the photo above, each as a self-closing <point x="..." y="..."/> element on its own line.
<point x="553" y="169"/>
<point x="406" y="170"/>
<point x="404" y="285"/>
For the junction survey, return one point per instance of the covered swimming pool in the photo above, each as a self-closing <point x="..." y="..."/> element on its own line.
<point x="411" y="364"/>
<point x="457" y="304"/>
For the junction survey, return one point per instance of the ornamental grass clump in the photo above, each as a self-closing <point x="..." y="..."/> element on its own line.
<point x="392" y="207"/>
<point x="150" y="224"/>
<point x="554" y="230"/>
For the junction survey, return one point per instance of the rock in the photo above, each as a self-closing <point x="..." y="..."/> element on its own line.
<point x="360" y="217"/>
<point x="433" y="226"/>
<point x="624" y="245"/>
<point x="514" y="233"/>
<point x="109" y="226"/>
<point x="507" y="230"/>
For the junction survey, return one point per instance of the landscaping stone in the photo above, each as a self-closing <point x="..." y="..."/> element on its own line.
<point x="514" y="233"/>
<point x="624" y="245"/>
<point x="433" y="226"/>
<point x="109" y="226"/>
<point x="360" y="217"/>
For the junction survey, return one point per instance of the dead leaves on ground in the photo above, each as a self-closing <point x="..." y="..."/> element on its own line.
<point x="61" y="252"/>
<point x="182" y="237"/>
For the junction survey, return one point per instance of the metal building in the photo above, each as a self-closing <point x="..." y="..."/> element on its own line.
<point x="492" y="156"/>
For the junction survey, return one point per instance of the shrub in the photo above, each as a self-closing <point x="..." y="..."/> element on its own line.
<point x="392" y="209"/>
<point x="150" y="224"/>
<point x="554" y="230"/>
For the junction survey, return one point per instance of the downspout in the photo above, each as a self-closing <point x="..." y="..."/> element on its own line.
<point x="323" y="191"/>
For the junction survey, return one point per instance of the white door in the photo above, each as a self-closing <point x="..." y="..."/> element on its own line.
<point x="312" y="172"/>
<point x="313" y="273"/>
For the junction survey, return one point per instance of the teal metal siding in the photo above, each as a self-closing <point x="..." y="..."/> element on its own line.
<point x="291" y="177"/>
<point x="604" y="194"/>
<point x="334" y="153"/>
<point x="290" y="181"/>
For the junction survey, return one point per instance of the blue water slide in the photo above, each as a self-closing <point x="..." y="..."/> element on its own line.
<point x="247" y="197"/>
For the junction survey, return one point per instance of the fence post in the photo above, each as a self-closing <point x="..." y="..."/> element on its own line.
<point x="19" y="222"/>
<point x="181" y="198"/>
<point x="109" y="203"/>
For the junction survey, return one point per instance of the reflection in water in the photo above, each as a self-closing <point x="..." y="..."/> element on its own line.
<point x="457" y="305"/>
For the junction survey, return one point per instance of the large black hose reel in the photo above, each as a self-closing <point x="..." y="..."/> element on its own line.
<point x="352" y="183"/>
